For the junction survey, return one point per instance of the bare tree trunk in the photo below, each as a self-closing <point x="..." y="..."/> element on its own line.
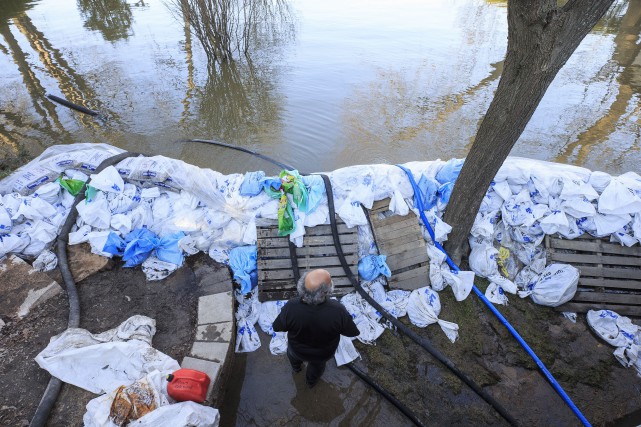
<point x="541" y="38"/>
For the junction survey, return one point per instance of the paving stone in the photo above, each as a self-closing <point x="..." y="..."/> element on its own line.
<point x="214" y="351"/>
<point x="212" y="279"/>
<point x="215" y="308"/>
<point x="82" y="263"/>
<point x="22" y="287"/>
<point x="215" y="332"/>
<point x="212" y="369"/>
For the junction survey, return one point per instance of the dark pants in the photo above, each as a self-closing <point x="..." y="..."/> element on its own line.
<point x="315" y="368"/>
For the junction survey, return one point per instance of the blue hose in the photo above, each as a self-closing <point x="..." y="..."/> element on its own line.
<point x="557" y="387"/>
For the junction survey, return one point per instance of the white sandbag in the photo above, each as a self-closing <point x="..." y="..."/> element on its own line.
<point x="121" y="223"/>
<point x="30" y="177"/>
<point x="606" y="224"/>
<point x="156" y="269"/>
<point x="502" y="189"/>
<point x="364" y="317"/>
<point x="399" y="299"/>
<point x="181" y="414"/>
<point x="81" y="235"/>
<point x="578" y="207"/>
<point x="34" y="208"/>
<point x="599" y="180"/>
<point x="397" y="204"/>
<point x="13" y="243"/>
<point x="144" y="168"/>
<point x="76" y="174"/>
<point x="247" y="339"/>
<point x="624" y="236"/>
<point x="441" y="228"/>
<point x="268" y="312"/>
<point x="5" y="221"/>
<point x="48" y="192"/>
<point x="495" y="294"/>
<point x="437" y="258"/>
<point x="576" y="188"/>
<point x="11" y="202"/>
<point x="146" y="393"/>
<point x="97" y="240"/>
<point x="482" y="260"/>
<point x="352" y="214"/>
<point x="247" y="315"/>
<point x="553" y="222"/>
<point x="636" y="226"/>
<point x="618" y="199"/>
<point x="620" y="332"/>
<point x="46" y="261"/>
<point x="556" y="285"/>
<point x="513" y="171"/>
<point x="346" y="352"/>
<point x="94" y="158"/>
<point x="461" y="282"/>
<point x="491" y="202"/>
<point x="95" y="213"/>
<point x="278" y="343"/>
<point x="126" y="200"/>
<point x="424" y="308"/>
<point x="484" y="225"/>
<point x="41" y="234"/>
<point x="101" y="362"/>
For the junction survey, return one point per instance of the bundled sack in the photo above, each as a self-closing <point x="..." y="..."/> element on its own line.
<point x="372" y="266"/>
<point x="619" y="332"/>
<point x="247" y="314"/>
<point x="423" y="309"/>
<point x="555" y="286"/>
<point x="364" y="316"/>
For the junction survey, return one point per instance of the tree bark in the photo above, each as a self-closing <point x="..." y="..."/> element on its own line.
<point x="541" y="38"/>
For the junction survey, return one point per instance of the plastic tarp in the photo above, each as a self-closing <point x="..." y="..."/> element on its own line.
<point x="242" y="261"/>
<point x="102" y="362"/>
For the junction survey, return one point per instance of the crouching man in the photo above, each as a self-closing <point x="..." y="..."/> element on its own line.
<point x="314" y="324"/>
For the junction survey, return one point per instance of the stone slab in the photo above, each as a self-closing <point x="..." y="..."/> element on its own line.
<point x="212" y="369"/>
<point x="215" y="332"/>
<point x="213" y="351"/>
<point x="22" y="287"/>
<point x="216" y="308"/>
<point x="82" y="263"/>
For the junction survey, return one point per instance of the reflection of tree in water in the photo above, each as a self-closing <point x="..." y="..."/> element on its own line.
<point x="113" y="18"/>
<point x="625" y="64"/>
<point x="237" y="100"/>
<point x="228" y="29"/>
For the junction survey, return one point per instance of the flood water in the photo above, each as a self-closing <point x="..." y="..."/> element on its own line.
<point x="318" y="85"/>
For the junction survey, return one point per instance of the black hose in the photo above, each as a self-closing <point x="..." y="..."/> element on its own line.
<point x="423" y="342"/>
<point x="244" y="150"/>
<point x="73" y="106"/>
<point x="404" y="409"/>
<point x="53" y="388"/>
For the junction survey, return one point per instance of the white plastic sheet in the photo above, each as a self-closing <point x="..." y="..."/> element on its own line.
<point x="346" y="352"/>
<point x="101" y="362"/>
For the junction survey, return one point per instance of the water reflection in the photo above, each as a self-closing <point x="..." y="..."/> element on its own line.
<point x="112" y="18"/>
<point x="625" y="66"/>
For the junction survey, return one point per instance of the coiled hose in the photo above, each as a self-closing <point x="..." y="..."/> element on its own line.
<point x="546" y="373"/>
<point x="423" y="342"/>
<point x="53" y="388"/>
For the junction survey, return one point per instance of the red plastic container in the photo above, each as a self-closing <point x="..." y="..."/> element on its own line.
<point x="188" y="384"/>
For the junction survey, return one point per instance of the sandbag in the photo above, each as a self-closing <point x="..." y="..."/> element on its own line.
<point x="423" y="309"/>
<point x="556" y="285"/>
<point x="372" y="266"/>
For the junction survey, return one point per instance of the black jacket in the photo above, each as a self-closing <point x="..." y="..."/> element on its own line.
<point x="313" y="331"/>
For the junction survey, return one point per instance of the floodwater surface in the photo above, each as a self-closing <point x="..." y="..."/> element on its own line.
<point x="318" y="85"/>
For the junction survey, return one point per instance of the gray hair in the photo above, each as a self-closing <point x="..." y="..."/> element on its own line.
<point x="317" y="296"/>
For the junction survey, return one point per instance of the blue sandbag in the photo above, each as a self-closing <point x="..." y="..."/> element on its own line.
<point x="429" y="189"/>
<point x="252" y="183"/>
<point x="114" y="244"/>
<point x="444" y="193"/>
<point x="168" y="249"/>
<point x="450" y="171"/>
<point x="242" y="261"/>
<point x="140" y="243"/>
<point x="315" y="191"/>
<point x="372" y="266"/>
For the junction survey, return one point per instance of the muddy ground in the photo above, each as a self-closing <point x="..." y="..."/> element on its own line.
<point x="268" y="394"/>
<point x="106" y="299"/>
<point x="264" y="392"/>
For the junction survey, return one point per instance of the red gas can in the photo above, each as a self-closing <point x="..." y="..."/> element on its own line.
<point x="188" y="384"/>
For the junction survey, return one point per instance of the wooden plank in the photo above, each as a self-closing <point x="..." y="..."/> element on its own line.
<point x="303" y="262"/>
<point x="409" y="222"/>
<point x="607" y="272"/>
<point x="608" y="297"/>
<point x="402" y="243"/>
<point x="610" y="283"/>
<point x="381" y="205"/>
<point x="319" y="230"/>
<point x="390" y="220"/>
<point x="625" y="310"/>
<point x="408" y="230"/>
<point x="593" y="259"/>
<point x="406" y="259"/>
<point x="282" y="242"/>
<point x="595" y="246"/>
<point x="286" y="295"/>
<point x="349" y="251"/>
<point x="266" y="275"/>
<point x="410" y="279"/>
<point x="339" y="281"/>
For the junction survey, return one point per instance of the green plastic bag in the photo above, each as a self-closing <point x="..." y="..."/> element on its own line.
<point x="292" y="183"/>
<point x="285" y="216"/>
<point x="73" y="186"/>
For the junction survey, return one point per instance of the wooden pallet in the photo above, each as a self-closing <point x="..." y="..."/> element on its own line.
<point x="275" y="270"/>
<point x="400" y="238"/>
<point x="610" y="273"/>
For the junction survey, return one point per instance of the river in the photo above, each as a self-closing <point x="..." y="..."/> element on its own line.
<point x="319" y="85"/>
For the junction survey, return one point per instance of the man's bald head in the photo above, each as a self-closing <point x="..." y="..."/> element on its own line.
<point x="315" y="287"/>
